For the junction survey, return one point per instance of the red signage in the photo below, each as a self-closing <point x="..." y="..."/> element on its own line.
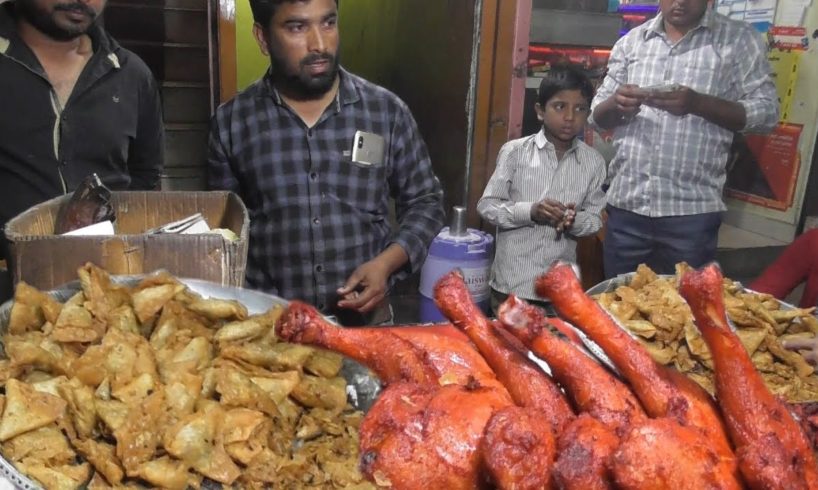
<point x="768" y="173"/>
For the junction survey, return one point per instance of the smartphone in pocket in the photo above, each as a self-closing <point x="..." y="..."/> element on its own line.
<point x="368" y="148"/>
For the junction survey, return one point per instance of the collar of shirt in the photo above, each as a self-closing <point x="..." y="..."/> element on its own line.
<point x="657" y="26"/>
<point x="542" y="142"/>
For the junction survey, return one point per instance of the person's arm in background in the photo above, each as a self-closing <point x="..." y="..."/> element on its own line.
<point x="588" y="219"/>
<point x="496" y="206"/>
<point x="756" y="107"/>
<point x="616" y="102"/>
<point x="796" y="264"/>
<point x="220" y="174"/>
<point x="419" y="210"/>
<point x="146" y="156"/>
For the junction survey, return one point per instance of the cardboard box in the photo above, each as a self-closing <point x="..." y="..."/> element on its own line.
<point x="46" y="261"/>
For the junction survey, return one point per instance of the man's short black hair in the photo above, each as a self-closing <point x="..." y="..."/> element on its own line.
<point x="564" y="77"/>
<point x="264" y="10"/>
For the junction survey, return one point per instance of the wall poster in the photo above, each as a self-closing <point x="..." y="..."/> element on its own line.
<point x="763" y="169"/>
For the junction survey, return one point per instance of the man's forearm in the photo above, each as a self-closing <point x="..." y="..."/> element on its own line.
<point x="392" y="258"/>
<point x="727" y="114"/>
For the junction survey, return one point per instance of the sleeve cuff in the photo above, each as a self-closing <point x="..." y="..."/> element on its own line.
<point x="522" y="213"/>
<point x="758" y="117"/>
<point x="414" y="248"/>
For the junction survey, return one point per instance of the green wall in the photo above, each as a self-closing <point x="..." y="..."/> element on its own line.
<point x="422" y="51"/>
<point x="250" y="63"/>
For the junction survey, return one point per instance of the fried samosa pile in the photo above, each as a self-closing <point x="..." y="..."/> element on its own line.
<point x="155" y="386"/>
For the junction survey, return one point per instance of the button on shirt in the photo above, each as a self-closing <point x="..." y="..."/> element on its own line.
<point x="668" y="165"/>
<point x="528" y="171"/>
<point x="316" y="215"/>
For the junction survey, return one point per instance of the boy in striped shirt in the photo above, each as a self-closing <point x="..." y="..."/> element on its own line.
<point x="546" y="190"/>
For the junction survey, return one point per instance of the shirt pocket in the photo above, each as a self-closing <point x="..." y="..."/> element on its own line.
<point x="360" y="186"/>
<point x="705" y="71"/>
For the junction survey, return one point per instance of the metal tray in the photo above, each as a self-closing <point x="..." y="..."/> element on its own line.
<point x="610" y="285"/>
<point x="363" y="387"/>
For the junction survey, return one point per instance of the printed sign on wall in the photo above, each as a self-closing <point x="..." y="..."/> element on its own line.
<point x="763" y="169"/>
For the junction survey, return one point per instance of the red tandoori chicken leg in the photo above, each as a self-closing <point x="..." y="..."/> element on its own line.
<point x="772" y="449"/>
<point x="528" y="385"/>
<point x="424" y="357"/>
<point x="590" y="386"/>
<point x="418" y="434"/>
<point x="303" y="324"/>
<point x="613" y="440"/>
<point x="657" y="390"/>
<point x="518" y="449"/>
<point x="661" y="391"/>
<point x="606" y="406"/>
<point x="419" y="437"/>
<point x="519" y="445"/>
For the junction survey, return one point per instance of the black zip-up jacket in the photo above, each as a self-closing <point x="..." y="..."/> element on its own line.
<point x="111" y="124"/>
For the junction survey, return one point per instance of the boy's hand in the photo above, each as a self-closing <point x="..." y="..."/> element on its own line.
<point x="548" y="212"/>
<point x="807" y="347"/>
<point x="568" y="219"/>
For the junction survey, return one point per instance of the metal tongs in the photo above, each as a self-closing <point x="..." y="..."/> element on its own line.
<point x="178" y="226"/>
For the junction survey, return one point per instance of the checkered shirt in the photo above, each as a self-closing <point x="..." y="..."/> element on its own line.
<point x="315" y="215"/>
<point x="668" y="165"/>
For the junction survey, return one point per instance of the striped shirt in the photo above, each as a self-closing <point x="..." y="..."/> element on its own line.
<point x="316" y="215"/>
<point x="668" y="165"/>
<point x="528" y="171"/>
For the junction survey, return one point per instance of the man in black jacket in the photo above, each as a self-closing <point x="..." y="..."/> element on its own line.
<point x="72" y="102"/>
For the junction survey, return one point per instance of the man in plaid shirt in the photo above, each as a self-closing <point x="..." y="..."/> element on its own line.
<point x="319" y="220"/>
<point x="672" y="143"/>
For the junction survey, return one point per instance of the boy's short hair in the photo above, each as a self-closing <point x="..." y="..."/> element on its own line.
<point x="264" y="10"/>
<point x="564" y="77"/>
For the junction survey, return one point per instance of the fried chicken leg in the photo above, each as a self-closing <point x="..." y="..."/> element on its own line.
<point x="418" y="434"/>
<point x="590" y="386"/>
<point x="420" y="437"/>
<point x="528" y="385"/>
<point x="661" y="391"/>
<point x="606" y="406"/>
<point x="772" y="449"/>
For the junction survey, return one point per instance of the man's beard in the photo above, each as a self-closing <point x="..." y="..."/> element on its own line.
<point x="302" y="85"/>
<point x="45" y="22"/>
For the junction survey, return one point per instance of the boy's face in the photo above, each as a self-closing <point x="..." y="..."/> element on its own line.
<point x="302" y="42"/>
<point x="564" y="115"/>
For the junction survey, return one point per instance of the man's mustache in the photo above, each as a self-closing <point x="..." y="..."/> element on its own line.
<point x="76" y="7"/>
<point x="315" y="58"/>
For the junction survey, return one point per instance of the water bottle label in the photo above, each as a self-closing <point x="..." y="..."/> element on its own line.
<point x="478" y="282"/>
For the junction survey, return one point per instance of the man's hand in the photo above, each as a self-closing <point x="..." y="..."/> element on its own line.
<point x="808" y="347"/>
<point x="679" y="102"/>
<point x="628" y="99"/>
<point x="548" y="212"/>
<point x="621" y="107"/>
<point x="366" y="286"/>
